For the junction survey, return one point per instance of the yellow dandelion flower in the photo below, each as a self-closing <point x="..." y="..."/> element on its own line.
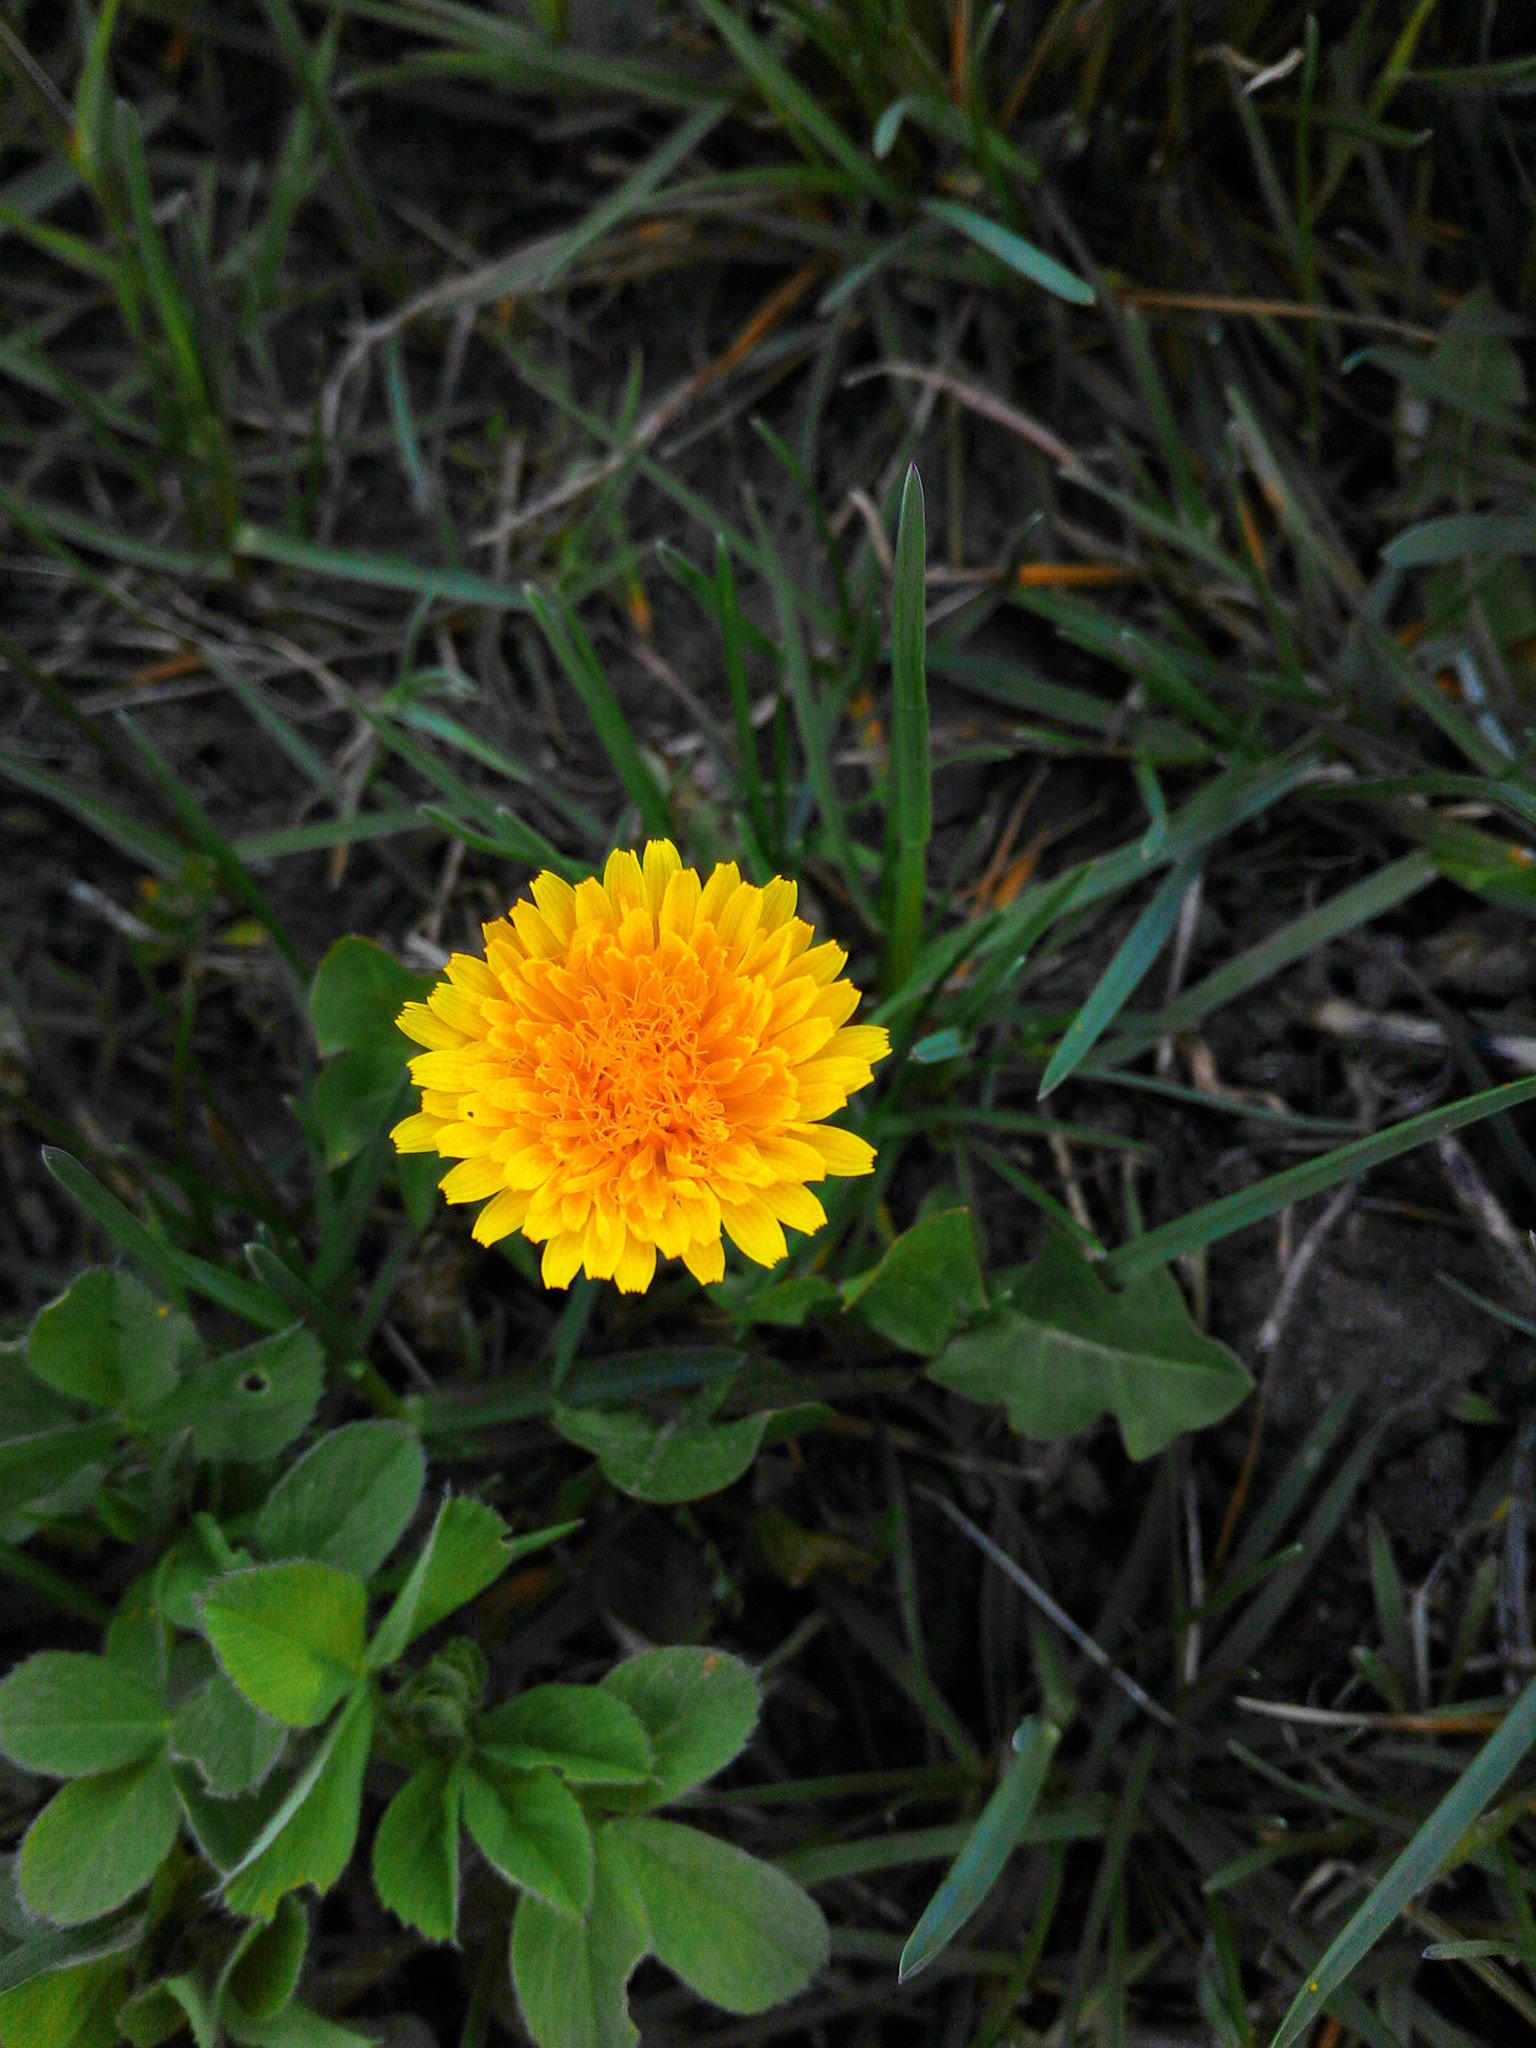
<point x="639" y="1062"/>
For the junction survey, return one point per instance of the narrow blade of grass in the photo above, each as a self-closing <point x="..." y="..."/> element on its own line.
<point x="909" y="805"/>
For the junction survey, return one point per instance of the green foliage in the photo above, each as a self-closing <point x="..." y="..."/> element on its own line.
<point x="1062" y="1348"/>
<point x="928" y="1283"/>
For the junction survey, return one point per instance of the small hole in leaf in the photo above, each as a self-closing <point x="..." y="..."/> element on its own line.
<point x="255" y="1383"/>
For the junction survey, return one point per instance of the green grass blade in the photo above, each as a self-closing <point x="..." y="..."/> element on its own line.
<point x="1416" y="1866"/>
<point x="578" y="657"/>
<point x="142" y="843"/>
<point x="1019" y="255"/>
<point x="733" y="641"/>
<point x="1123" y="976"/>
<point x="994" y="1838"/>
<point x="909" y="802"/>
<point x="802" y="114"/>
<point x="178" y="1272"/>
<point x="1235" y="1212"/>
<point x="383" y="572"/>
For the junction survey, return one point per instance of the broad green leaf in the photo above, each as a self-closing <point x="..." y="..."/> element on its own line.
<point x="1459" y="534"/>
<point x="737" y="1931"/>
<point x="75" y="2008"/>
<point x="27" y="1407"/>
<point x="228" y="1830"/>
<point x="467" y="1551"/>
<point x="232" y="1745"/>
<point x="70" y="1716"/>
<point x="98" y="1842"/>
<point x="699" y="1707"/>
<point x="664" y="1462"/>
<point x="310" y="1837"/>
<point x="109" y="1343"/>
<point x="1417" y="1865"/>
<point x="348" y="1500"/>
<point x="589" y="1736"/>
<point x="571" y="1975"/>
<point x="1062" y="1349"/>
<point x="357" y="993"/>
<point x="263" y="1973"/>
<point x="994" y="1838"/>
<point x="530" y="1828"/>
<point x="927" y="1284"/>
<point x="250" y="1404"/>
<point x="416" y="1852"/>
<point x="289" y="1635"/>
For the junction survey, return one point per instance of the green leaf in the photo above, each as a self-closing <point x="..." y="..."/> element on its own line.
<point x="532" y="1830"/>
<point x="355" y="1094"/>
<point x="109" y="1343"/>
<point x="60" y="1948"/>
<point x="589" y="1736"/>
<point x="357" y="993"/>
<point x="232" y="1745"/>
<point x="416" y="1852"/>
<point x="263" y="1973"/>
<point x="164" y="2009"/>
<point x="98" y="1842"/>
<point x="467" y="1551"/>
<point x="699" y="1707"/>
<point x="294" y="2027"/>
<point x="1062" y="1349"/>
<point x="1416" y="1867"/>
<point x="1459" y="534"/>
<point x="994" y="1838"/>
<point x="786" y="1303"/>
<point x="737" y="1931"/>
<point x="571" y="1975"/>
<point x="289" y="1635"/>
<point x="69" y="1716"/>
<point x="310" y="1836"/>
<point x="75" y="2008"/>
<point x="250" y="1404"/>
<point x="927" y="1284"/>
<point x="348" y="1500"/>
<point x="663" y="1461"/>
<point x="1013" y="250"/>
<point x="136" y="1640"/>
<point x="33" y="1467"/>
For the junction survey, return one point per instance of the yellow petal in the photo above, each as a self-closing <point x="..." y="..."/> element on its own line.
<point x="636" y="1267"/>
<point x="706" y="1262"/>
<point x="868" y="1042"/>
<point x="419" y="1023"/>
<point x="557" y="902"/>
<point x="755" y="1229"/>
<point x="779" y="899"/>
<point x="501" y="1215"/>
<point x="623" y="881"/>
<point x="457" y="1009"/>
<point x="562" y="1257"/>
<point x="718" y="891"/>
<point x="661" y="862"/>
<point x="680" y="905"/>
<point x="472" y="1180"/>
<point x="471" y="975"/>
<point x="794" y="1205"/>
<point x="417" y="1134"/>
<point x="844" y="1153"/>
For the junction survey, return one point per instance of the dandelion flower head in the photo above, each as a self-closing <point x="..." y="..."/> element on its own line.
<point x="638" y="1063"/>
